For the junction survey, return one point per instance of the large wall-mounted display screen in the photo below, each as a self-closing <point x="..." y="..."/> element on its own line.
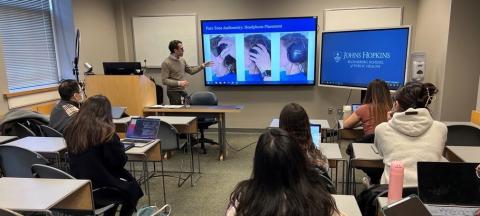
<point x="354" y="58"/>
<point x="276" y="51"/>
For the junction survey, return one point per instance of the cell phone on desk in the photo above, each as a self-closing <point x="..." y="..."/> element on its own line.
<point x="410" y="206"/>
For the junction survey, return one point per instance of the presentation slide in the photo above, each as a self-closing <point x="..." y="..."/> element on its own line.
<point x="354" y="58"/>
<point x="276" y="51"/>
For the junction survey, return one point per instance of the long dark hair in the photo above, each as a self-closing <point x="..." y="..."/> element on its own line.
<point x="92" y="125"/>
<point x="281" y="182"/>
<point x="415" y="95"/>
<point x="294" y="119"/>
<point x="380" y="100"/>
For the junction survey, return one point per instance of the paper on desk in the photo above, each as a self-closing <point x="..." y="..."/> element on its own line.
<point x="166" y="106"/>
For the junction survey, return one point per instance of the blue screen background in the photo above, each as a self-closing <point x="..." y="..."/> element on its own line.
<point x="272" y="29"/>
<point x="354" y="58"/>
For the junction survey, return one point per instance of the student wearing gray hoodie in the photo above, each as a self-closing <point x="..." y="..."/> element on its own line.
<point x="411" y="134"/>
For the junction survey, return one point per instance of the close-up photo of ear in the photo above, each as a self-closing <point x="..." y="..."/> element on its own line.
<point x="257" y="55"/>
<point x="223" y="50"/>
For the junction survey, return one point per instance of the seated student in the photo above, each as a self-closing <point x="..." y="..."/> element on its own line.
<point x="374" y="111"/>
<point x="295" y="121"/>
<point x="96" y="153"/>
<point x="281" y="182"/>
<point x="411" y="135"/>
<point x="70" y="98"/>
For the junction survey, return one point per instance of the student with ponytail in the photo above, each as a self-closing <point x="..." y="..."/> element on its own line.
<point x="411" y="134"/>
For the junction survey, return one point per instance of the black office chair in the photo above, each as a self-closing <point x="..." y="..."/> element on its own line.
<point x="50" y="132"/>
<point x="463" y="135"/>
<point x="17" y="162"/>
<point x="44" y="171"/>
<point x="204" y="98"/>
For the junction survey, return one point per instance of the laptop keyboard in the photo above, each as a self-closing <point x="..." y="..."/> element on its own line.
<point x="129" y="140"/>
<point x="450" y="210"/>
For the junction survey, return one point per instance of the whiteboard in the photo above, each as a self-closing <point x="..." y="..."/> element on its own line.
<point x="362" y="18"/>
<point x="151" y="36"/>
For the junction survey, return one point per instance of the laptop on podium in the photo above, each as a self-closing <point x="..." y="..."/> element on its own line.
<point x="141" y="132"/>
<point x="449" y="188"/>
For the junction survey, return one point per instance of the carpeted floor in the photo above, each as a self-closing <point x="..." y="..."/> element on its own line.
<point x="211" y="189"/>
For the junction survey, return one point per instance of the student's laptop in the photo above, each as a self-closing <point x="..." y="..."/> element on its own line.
<point x="355" y="107"/>
<point x="449" y="188"/>
<point x="142" y="131"/>
<point x="315" y="130"/>
<point x="117" y="112"/>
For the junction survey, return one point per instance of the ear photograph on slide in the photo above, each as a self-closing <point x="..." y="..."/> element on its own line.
<point x="260" y="52"/>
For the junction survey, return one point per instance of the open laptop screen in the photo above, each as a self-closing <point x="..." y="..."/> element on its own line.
<point x="316" y="134"/>
<point x="355" y="107"/>
<point x="141" y="128"/>
<point x="448" y="183"/>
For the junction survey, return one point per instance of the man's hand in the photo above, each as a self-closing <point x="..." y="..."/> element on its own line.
<point x="183" y="83"/>
<point x="207" y="64"/>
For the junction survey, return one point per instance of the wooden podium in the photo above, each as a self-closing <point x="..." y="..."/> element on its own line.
<point x="131" y="91"/>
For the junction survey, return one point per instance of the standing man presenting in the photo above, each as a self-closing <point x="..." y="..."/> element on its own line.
<point x="174" y="68"/>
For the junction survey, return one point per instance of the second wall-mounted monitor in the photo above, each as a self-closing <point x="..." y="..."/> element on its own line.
<point x="276" y="51"/>
<point x="353" y="58"/>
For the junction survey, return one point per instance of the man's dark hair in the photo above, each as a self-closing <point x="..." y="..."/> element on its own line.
<point x="173" y="45"/>
<point x="68" y="88"/>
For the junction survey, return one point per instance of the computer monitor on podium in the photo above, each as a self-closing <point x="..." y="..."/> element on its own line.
<point x="122" y="68"/>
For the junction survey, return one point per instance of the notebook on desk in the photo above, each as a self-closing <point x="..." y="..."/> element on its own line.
<point x="142" y="132"/>
<point x="449" y="188"/>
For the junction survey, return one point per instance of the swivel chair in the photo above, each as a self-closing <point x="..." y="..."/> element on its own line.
<point x="205" y="98"/>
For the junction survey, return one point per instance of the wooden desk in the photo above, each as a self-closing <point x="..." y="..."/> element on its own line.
<point x="470" y="154"/>
<point x="46" y="146"/>
<point x="347" y="205"/>
<point x="353" y="133"/>
<point x="333" y="154"/>
<point x="366" y="157"/>
<point x="145" y="154"/>
<point x="5" y="139"/>
<point x="202" y="111"/>
<point x="43" y="195"/>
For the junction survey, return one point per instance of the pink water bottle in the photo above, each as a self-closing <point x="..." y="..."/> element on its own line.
<point x="395" y="186"/>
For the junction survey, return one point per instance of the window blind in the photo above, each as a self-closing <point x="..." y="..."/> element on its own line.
<point x="26" y="35"/>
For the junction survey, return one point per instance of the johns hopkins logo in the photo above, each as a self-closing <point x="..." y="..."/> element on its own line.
<point x="337" y="57"/>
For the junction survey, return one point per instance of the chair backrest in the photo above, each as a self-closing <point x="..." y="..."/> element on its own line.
<point x="463" y="135"/>
<point x="168" y="136"/>
<point x="44" y="171"/>
<point x="50" y="132"/>
<point x="203" y="98"/>
<point x="7" y="212"/>
<point x="17" y="162"/>
<point x="21" y="131"/>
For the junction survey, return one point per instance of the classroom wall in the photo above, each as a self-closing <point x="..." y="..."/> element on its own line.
<point x="96" y="20"/>
<point x="261" y="103"/>
<point x="462" y="71"/>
